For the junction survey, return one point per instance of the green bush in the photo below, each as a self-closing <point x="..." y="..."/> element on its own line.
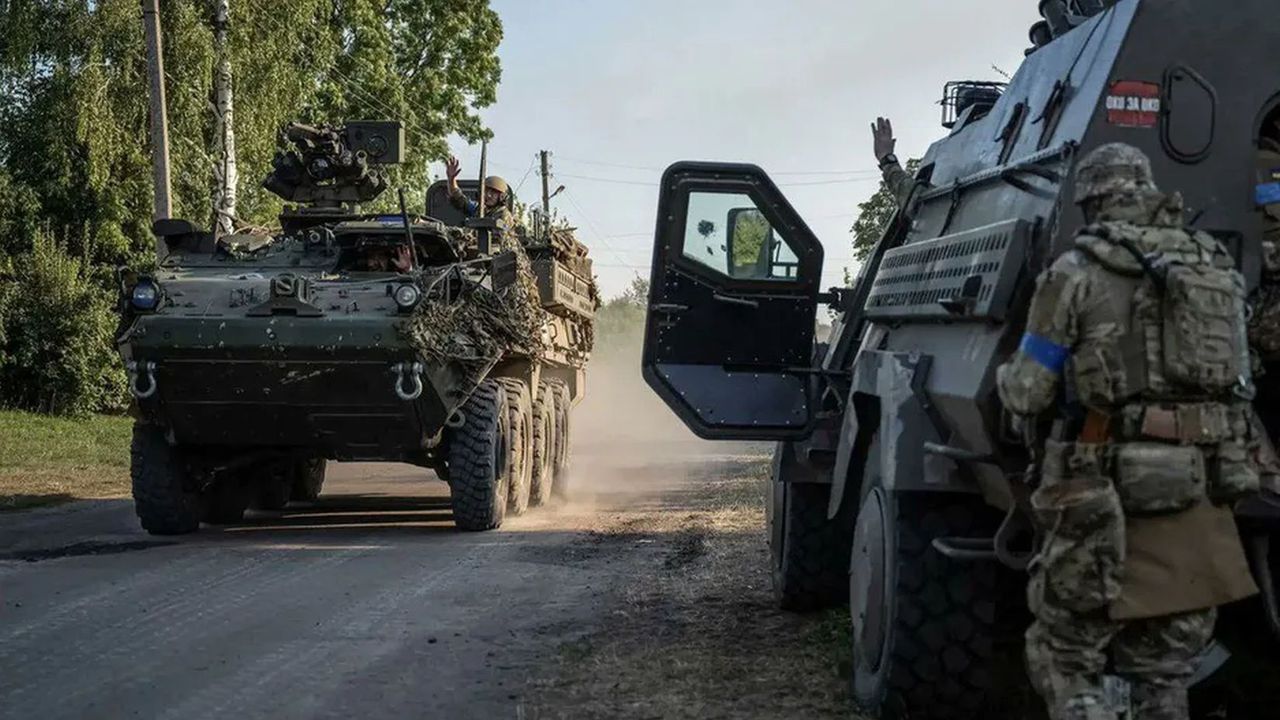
<point x="620" y="322"/>
<point x="56" y="331"/>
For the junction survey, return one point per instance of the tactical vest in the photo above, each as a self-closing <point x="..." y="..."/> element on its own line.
<point x="1166" y="365"/>
<point x="1177" y="329"/>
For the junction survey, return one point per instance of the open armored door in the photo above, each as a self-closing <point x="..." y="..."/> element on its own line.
<point x="732" y="302"/>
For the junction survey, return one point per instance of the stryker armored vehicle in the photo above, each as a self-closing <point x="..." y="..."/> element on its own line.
<point x="437" y="340"/>
<point x="897" y="483"/>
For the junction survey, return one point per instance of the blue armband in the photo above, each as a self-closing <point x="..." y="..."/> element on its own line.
<point x="1045" y="352"/>
<point x="1267" y="194"/>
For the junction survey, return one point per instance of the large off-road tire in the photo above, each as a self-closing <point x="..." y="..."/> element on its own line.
<point x="308" y="479"/>
<point x="563" y="404"/>
<point x="520" y="407"/>
<point x="544" y="445"/>
<point x="810" y="554"/>
<point x="479" y="461"/>
<point x="161" y="498"/>
<point x="227" y="499"/>
<point x="933" y="639"/>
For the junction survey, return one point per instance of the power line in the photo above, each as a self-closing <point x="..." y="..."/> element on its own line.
<point x="614" y="181"/>
<point x="654" y="183"/>
<point x="592" y="226"/>
<point x="352" y="86"/>
<point x="784" y="173"/>
<point x="532" y="164"/>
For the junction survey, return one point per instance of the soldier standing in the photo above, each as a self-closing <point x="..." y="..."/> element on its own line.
<point x="1141" y="327"/>
<point x="1264" y="321"/>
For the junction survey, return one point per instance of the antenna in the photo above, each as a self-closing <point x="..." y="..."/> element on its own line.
<point x="484" y="164"/>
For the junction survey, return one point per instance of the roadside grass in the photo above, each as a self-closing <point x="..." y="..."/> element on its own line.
<point x="46" y="460"/>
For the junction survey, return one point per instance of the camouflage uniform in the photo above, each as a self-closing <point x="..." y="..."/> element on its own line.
<point x="1136" y="553"/>
<point x="1264" y="320"/>
<point x="899" y="182"/>
<point x="502" y="214"/>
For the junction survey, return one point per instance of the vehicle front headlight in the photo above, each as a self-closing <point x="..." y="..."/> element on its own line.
<point x="145" y="296"/>
<point x="407" y="296"/>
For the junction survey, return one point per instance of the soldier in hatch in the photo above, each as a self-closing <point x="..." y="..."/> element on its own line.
<point x="380" y="257"/>
<point x="495" y="197"/>
<point x="1141" y="327"/>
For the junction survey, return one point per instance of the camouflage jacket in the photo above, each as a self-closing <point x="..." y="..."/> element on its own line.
<point x="502" y="214"/>
<point x="899" y="182"/>
<point x="1264" y="321"/>
<point x="1077" y="329"/>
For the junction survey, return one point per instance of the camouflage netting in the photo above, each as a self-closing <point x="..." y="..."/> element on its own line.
<point x="480" y="325"/>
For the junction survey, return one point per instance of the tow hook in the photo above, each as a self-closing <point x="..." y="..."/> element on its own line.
<point x="136" y="371"/>
<point x="414" y="372"/>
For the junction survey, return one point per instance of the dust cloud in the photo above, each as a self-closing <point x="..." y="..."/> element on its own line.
<point x="625" y="439"/>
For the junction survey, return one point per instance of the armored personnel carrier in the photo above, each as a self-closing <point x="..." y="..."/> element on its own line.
<point x="438" y="340"/>
<point x="897" y="484"/>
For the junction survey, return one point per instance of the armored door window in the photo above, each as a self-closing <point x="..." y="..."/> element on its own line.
<point x="728" y="234"/>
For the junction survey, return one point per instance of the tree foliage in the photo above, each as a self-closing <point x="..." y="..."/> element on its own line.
<point x="58" y="323"/>
<point x="873" y="217"/>
<point x="73" y="98"/>
<point x="75" y="165"/>
<point x="619" y="323"/>
<point x="750" y="231"/>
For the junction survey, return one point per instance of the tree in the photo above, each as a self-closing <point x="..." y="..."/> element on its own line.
<point x="873" y="217"/>
<point x="73" y="98"/>
<point x="619" y="324"/>
<point x="75" y="166"/>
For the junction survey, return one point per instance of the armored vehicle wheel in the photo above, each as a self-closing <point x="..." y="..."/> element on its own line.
<point x="308" y="479"/>
<point x="810" y="554"/>
<point x="562" y="403"/>
<point x="544" y="439"/>
<point x="933" y="639"/>
<point x="165" y="506"/>
<point x="272" y="486"/>
<point x="520" y="406"/>
<point x="226" y="500"/>
<point x="478" y="459"/>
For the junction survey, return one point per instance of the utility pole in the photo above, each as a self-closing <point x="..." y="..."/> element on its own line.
<point x="159" y="116"/>
<point x="546" y="179"/>
<point x="546" y="192"/>
<point x="226" y="175"/>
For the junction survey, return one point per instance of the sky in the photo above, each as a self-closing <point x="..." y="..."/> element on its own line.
<point x="617" y="90"/>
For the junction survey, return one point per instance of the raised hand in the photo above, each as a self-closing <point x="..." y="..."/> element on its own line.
<point x="882" y="140"/>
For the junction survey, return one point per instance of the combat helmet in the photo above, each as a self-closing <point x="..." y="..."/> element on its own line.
<point x="1112" y="169"/>
<point x="497" y="184"/>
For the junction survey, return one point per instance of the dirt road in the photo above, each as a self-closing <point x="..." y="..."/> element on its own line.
<point x="648" y="597"/>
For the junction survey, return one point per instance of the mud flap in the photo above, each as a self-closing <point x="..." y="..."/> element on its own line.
<point x="906" y="422"/>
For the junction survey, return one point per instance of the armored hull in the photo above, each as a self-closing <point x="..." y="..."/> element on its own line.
<point x="253" y="358"/>
<point x="897" y="476"/>
<point x="325" y="384"/>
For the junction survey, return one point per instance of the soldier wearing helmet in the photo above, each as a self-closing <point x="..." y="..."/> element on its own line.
<point x="1134" y="369"/>
<point x="496" y="195"/>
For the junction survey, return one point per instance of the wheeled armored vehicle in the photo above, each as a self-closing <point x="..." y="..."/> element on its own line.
<point x="436" y="339"/>
<point x="896" y="479"/>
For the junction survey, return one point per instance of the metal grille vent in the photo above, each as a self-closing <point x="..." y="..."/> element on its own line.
<point x="965" y="276"/>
